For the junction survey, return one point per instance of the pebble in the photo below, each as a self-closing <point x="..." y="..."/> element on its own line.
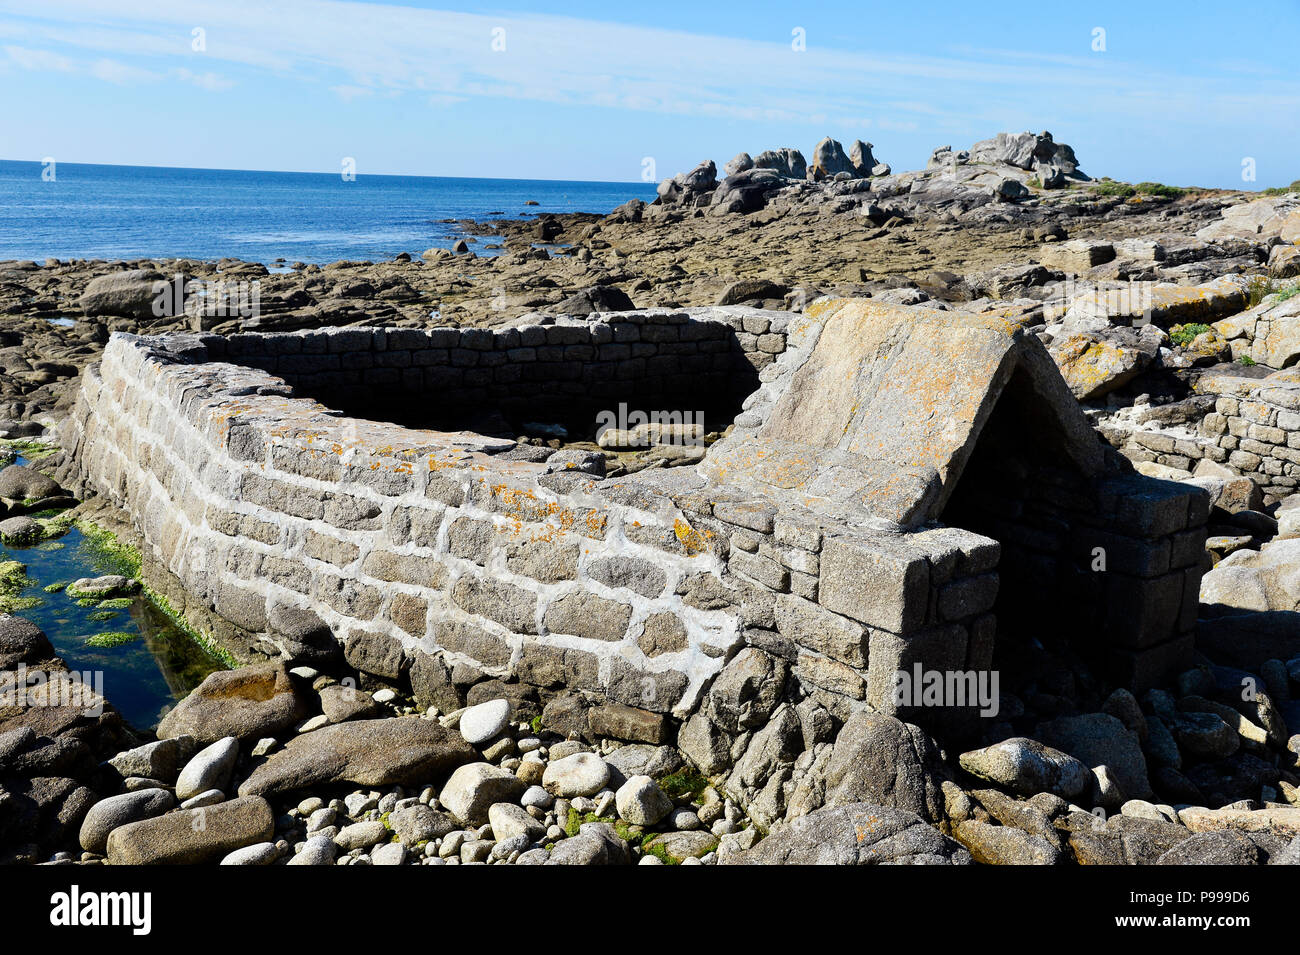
<point x="358" y="804"/>
<point x="209" y="797"/>
<point x="362" y="835"/>
<point x="317" y="850"/>
<point x="536" y="796"/>
<point x="210" y="768"/>
<point x="579" y="774"/>
<point x="484" y="722"/>
<point x="314" y="723"/>
<point x="261" y="853"/>
<point x="684" y="820"/>
<point x="321" y="818"/>
<point x="394" y="853"/>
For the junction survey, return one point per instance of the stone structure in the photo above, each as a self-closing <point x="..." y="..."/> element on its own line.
<point x="1248" y="426"/>
<point x="901" y="487"/>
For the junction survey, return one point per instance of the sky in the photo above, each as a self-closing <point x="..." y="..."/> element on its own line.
<point x="1184" y="93"/>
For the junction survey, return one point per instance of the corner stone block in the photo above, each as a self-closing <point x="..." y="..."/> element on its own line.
<point x="943" y="649"/>
<point x="884" y="584"/>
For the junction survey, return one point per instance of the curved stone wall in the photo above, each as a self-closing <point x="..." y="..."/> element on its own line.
<point x="528" y="564"/>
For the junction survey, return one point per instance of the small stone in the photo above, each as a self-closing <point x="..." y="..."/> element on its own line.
<point x="684" y="820"/>
<point x="484" y="722"/>
<point x="361" y="835"/>
<point x="210" y="768"/>
<point x="642" y="802"/>
<point x="536" y="796"/>
<point x="394" y="853"/>
<point x="261" y="853"/>
<point x="582" y="774"/>
<point x="318" y="850"/>
<point x="209" y="797"/>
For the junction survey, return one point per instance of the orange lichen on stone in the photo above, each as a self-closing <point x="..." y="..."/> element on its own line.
<point x="693" y="541"/>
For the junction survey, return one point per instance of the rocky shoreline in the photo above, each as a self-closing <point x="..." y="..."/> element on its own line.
<point x="1173" y="316"/>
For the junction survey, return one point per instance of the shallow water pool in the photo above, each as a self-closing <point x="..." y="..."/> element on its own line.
<point x="147" y="662"/>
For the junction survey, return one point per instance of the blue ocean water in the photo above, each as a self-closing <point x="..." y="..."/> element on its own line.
<point x="130" y="212"/>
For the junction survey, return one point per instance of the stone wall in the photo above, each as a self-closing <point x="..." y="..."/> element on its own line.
<point x="659" y="590"/>
<point x="1250" y="426"/>
<point x="650" y="356"/>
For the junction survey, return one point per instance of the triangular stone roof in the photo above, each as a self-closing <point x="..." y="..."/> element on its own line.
<point x="883" y="411"/>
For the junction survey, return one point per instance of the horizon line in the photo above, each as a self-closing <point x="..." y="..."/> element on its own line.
<point x="314" y="172"/>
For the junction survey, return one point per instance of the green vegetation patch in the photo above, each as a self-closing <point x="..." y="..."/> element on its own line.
<point x="1258" y="289"/>
<point x="1184" y="335"/>
<point x="684" y="782"/>
<point x="1246" y="360"/>
<point x="1109" y="187"/>
<point x="104" y="547"/>
<point x="99" y="616"/>
<point x="13" y="581"/>
<point x="111" y="638"/>
<point x="1281" y="190"/>
<point x="28" y="448"/>
<point x="1159" y="189"/>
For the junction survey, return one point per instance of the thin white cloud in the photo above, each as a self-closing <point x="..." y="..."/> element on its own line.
<point x="114" y="71"/>
<point x="212" y="82"/>
<point x="349" y="48"/>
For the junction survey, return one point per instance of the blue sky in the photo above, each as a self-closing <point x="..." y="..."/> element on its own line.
<point x="1182" y="93"/>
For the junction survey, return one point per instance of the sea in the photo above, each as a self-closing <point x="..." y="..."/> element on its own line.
<point x="91" y="211"/>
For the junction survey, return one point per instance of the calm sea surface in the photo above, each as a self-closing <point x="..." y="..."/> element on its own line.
<point x="129" y="212"/>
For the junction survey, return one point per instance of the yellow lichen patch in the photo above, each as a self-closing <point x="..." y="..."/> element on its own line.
<point x="693" y="541"/>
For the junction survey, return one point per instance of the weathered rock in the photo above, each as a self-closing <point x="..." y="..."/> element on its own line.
<point x="595" y="844"/>
<point x="855" y="834"/>
<point x="619" y="721"/>
<point x="1227" y="847"/>
<point x="108" y="814"/>
<point x="680" y="846"/>
<point x="690" y="188"/>
<point x="475" y="787"/>
<point x="384" y="752"/>
<point x="193" y="836"/>
<point x="341" y="703"/>
<point x="247" y="703"/>
<point x="641" y="802"/>
<point x="829" y="159"/>
<point x="884" y="762"/>
<point x="598" y="298"/>
<point x="419" y="824"/>
<point x="582" y="774"/>
<point x="317" y="850"/>
<point x="1005" y="845"/>
<point x="102" y="588"/>
<point x="786" y="162"/>
<point x="1096" y="363"/>
<point x="20" y="531"/>
<point x="134" y="293"/>
<point x="1097" y="739"/>
<point x="210" y="768"/>
<point x="1026" y="767"/>
<point x="509" y="820"/>
<point x="361" y="835"/>
<point x="21" y="641"/>
<point x="739" y="163"/>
